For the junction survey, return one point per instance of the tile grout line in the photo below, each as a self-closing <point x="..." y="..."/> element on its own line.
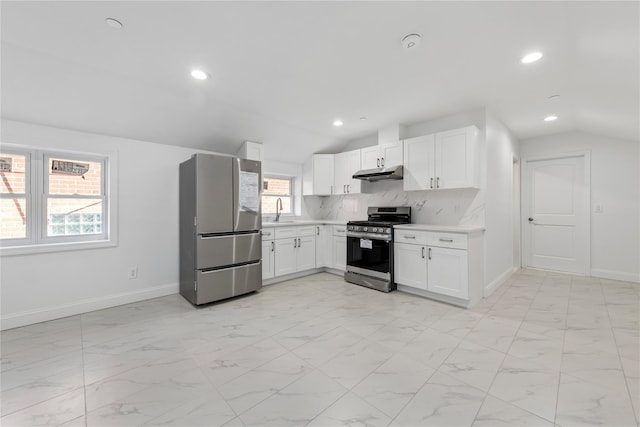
<point x="84" y="383"/>
<point x="564" y="339"/>
<point x="626" y="383"/>
<point x="506" y="353"/>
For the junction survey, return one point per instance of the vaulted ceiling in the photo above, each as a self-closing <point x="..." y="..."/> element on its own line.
<point x="281" y="72"/>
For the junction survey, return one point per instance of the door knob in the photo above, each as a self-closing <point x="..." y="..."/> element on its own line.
<point x="530" y="219"/>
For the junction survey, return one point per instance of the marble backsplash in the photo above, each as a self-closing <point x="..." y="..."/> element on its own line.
<point x="438" y="207"/>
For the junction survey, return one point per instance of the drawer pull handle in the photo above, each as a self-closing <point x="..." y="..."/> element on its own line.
<point x="429" y="253"/>
<point x="409" y="237"/>
<point x="266" y="234"/>
<point x="340" y="231"/>
<point x="446" y="240"/>
<point x="422" y="252"/>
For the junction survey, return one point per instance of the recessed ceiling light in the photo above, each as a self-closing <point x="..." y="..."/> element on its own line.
<point x="200" y="75"/>
<point x="554" y="97"/>
<point x="337" y="123"/>
<point x="114" y="23"/>
<point x="532" y="57"/>
<point x="363" y="118"/>
<point x="551" y="118"/>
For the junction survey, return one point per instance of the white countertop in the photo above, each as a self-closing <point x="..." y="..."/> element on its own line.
<point x="445" y="228"/>
<point x="293" y="223"/>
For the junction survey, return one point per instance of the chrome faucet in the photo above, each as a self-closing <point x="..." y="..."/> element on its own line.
<point x="278" y="212"/>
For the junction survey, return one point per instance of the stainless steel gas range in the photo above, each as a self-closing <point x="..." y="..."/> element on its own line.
<point x="370" y="247"/>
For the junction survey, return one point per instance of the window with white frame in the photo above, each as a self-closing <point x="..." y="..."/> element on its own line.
<point x="48" y="197"/>
<point x="274" y="188"/>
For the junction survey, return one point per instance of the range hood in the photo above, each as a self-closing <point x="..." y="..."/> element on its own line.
<point x="379" y="174"/>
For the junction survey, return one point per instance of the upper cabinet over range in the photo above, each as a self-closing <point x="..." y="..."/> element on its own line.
<point x="442" y="160"/>
<point x="380" y="156"/>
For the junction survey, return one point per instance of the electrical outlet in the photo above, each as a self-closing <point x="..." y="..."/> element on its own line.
<point x="599" y="208"/>
<point x="132" y="273"/>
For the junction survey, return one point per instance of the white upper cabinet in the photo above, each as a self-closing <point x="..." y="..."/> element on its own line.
<point x="252" y="151"/>
<point x="419" y="163"/>
<point x="379" y="156"/>
<point x="456" y="158"/>
<point x="444" y="160"/>
<point x="370" y="157"/>
<point x="318" y="175"/>
<point x="345" y="165"/>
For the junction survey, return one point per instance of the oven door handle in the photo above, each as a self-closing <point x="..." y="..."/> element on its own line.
<point x="370" y="236"/>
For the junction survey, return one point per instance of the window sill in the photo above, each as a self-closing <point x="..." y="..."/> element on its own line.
<point x="56" y="247"/>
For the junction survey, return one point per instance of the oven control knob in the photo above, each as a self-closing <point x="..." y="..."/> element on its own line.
<point x="375" y="230"/>
<point x="364" y="228"/>
<point x="388" y="230"/>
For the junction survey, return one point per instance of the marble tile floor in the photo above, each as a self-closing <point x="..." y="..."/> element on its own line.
<point x="544" y="350"/>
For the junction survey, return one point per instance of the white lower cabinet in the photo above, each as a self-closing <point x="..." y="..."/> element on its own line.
<point x="410" y="265"/>
<point x="448" y="271"/>
<point x="295" y="249"/>
<point x="268" y="259"/>
<point x="324" y="249"/>
<point x="339" y="246"/>
<point x="285" y="256"/>
<point x="340" y="253"/>
<point x="438" y="265"/>
<point x="306" y="253"/>
<point x="268" y="253"/>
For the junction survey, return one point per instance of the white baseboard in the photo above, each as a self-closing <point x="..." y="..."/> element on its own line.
<point x="499" y="281"/>
<point x="50" y="313"/>
<point x="615" y="275"/>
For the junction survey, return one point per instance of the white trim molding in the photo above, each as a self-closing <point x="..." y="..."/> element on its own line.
<point x="30" y="317"/>
<point x="499" y="281"/>
<point x="615" y="275"/>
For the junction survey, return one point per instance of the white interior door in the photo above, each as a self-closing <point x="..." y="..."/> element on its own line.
<point x="556" y="214"/>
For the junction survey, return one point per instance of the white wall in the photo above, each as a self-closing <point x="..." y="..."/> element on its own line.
<point x="41" y="287"/>
<point x="615" y="184"/>
<point x="499" y="238"/>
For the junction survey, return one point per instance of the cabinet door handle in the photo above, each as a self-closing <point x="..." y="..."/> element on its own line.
<point x="318" y="230"/>
<point x="382" y="162"/>
<point x="295" y="243"/>
<point x="431" y="182"/>
<point x="438" y="182"/>
<point x="348" y="188"/>
<point x="429" y="253"/>
<point x="446" y="240"/>
<point x="273" y="246"/>
<point x="378" y="162"/>
<point x="344" y="188"/>
<point x="422" y="252"/>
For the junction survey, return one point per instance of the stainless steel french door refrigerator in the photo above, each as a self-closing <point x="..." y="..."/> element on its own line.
<point x="220" y="222"/>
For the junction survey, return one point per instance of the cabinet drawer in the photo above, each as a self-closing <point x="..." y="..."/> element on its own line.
<point x="339" y="230"/>
<point x="447" y="240"/>
<point x="268" y="233"/>
<point x="410" y="236"/>
<point x="286" y="232"/>
<point x="307" y="230"/>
